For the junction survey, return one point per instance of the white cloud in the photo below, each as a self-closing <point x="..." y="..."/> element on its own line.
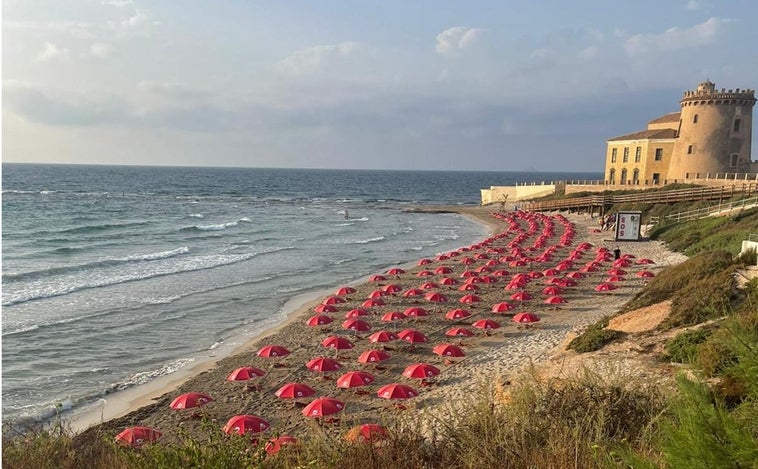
<point x="100" y="50"/>
<point x="676" y="38"/>
<point x="589" y="52"/>
<point x="140" y="16"/>
<point x="116" y="3"/>
<point x="694" y="5"/>
<point x="456" y="39"/>
<point x="543" y="53"/>
<point x="314" y="58"/>
<point x="52" y="52"/>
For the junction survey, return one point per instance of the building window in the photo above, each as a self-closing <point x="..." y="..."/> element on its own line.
<point x="623" y="176"/>
<point x="626" y="155"/>
<point x="636" y="176"/>
<point x="733" y="160"/>
<point x="694" y="119"/>
<point x="689" y="150"/>
<point x="658" y="154"/>
<point x="638" y="155"/>
<point x="656" y="178"/>
<point x="613" y="155"/>
<point x="612" y="176"/>
<point x="736" y="125"/>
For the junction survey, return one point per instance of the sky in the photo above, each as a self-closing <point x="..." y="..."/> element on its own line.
<point x="355" y="84"/>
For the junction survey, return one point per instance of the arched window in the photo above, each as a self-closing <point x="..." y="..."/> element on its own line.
<point x="736" y="125"/>
<point x="694" y="119"/>
<point x="636" y="176"/>
<point x="623" y="176"/>
<point x="612" y="176"/>
<point x="733" y="160"/>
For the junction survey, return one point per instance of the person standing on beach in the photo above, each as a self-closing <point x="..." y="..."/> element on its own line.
<point x="617" y="253"/>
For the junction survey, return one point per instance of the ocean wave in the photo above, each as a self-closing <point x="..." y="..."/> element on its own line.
<point x="11" y="277"/>
<point x="345" y="224"/>
<point x="38" y="290"/>
<point x="216" y="227"/>
<point x="78" y="230"/>
<point x="366" y="241"/>
<point x="196" y="215"/>
<point x="360" y="219"/>
<point x="145" y="376"/>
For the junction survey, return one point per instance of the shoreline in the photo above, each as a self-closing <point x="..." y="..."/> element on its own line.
<point x="492" y="357"/>
<point x="122" y="403"/>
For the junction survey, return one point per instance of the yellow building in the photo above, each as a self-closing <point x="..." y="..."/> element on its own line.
<point x="712" y="134"/>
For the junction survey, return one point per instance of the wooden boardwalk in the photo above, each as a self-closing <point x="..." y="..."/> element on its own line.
<point x="592" y="202"/>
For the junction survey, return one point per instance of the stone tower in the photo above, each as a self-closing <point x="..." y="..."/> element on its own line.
<point x="715" y="130"/>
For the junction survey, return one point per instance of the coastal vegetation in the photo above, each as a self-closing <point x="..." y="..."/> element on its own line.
<point x="708" y="418"/>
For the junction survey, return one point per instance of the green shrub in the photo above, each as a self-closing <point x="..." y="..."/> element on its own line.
<point x="701" y="300"/>
<point x="683" y="348"/>
<point x="595" y="337"/>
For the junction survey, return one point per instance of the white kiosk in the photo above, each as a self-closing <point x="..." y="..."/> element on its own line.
<point x="628" y="225"/>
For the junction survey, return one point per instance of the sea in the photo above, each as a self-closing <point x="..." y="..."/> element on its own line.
<point x="113" y="276"/>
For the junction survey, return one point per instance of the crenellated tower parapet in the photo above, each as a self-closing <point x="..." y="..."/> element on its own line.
<point x="714" y="133"/>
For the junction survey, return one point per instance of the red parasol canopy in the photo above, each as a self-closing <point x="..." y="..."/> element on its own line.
<point x="190" y="400"/>
<point x="382" y="336"/>
<point x="319" y="320"/>
<point x="276" y="444"/>
<point x="411" y="335"/>
<point x="555" y="300"/>
<point x="393" y="316"/>
<point x="392" y="288"/>
<point x="323" y="406"/>
<point x="242" y="424"/>
<point x="447" y="281"/>
<point x="521" y="296"/>
<point x="323" y="364"/>
<point x="356" y="325"/>
<point x="413" y="292"/>
<point x="448" y="350"/>
<point x="294" y="391"/>
<point x="337" y="342"/>
<point x="443" y="270"/>
<point x="245" y="373"/>
<point x="354" y="313"/>
<point x="373" y="302"/>
<point x="526" y="318"/>
<point x="604" y="287"/>
<point x="502" y="307"/>
<point x="332" y="300"/>
<point x="322" y="308"/>
<point x="376" y="294"/>
<point x="366" y="433"/>
<point x="435" y="297"/>
<point x="137" y="436"/>
<point x="467" y="299"/>
<point x="415" y="311"/>
<point x="459" y="332"/>
<point x="486" y="324"/>
<point x="354" y="379"/>
<point x="424" y="261"/>
<point x="395" y="271"/>
<point x="396" y="391"/>
<point x="456" y="314"/>
<point x="373" y="356"/>
<point x="421" y="371"/>
<point x="468" y="287"/>
<point x="645" y="274"/>
<point x="273" y="351"/>
<point x="342" y="291"/>
<point x="552" y="290"/>
<point x="377" y="278"/>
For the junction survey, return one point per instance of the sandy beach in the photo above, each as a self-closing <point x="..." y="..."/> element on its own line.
<point x="491" y="356"/>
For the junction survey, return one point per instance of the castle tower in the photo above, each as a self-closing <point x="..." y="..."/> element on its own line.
<point x="715" y="130"/>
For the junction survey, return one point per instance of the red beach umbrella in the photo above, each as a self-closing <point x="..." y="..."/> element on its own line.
<point x="500" y="273"/>
<point x="555" y="300"/>
<point x="421" y="371"/>
<point x="513" y="285"/>
<point x="551" y="272"/>
<point x="322" y="308"/>
<point x="526" y="318"/>
<point x="413" y="292"/>
<point x="353" y="379"/>
<point x="137" y="436"/>
<point x="552" y="290"/>
<point x="482" y="269"/>
<point x="442" y="257"/>
<point x="622" y="262"/>
<point x="395" y="271"/>
<point x="469" y="274"/>
<point x="468" y="287"/>
<point x="456" y="314"/>
<point x="617" y="271"/>
<point x="323" y="406"/>
<point x="502" y="307"/>
<point x="356" y="325"/>
<point x="424" y="261"/>
<point x="574" y="275"/>
<point x="588" y="269"/>
<point x="566" y="282"/>
<point x="396" y="391"/>
<point x="486" y="324"/>
<point x="273" y="351"/>
<point x="392" y="288"/>
<point x="376" y="294"/>
<point x="645" y="274"/>
<point x="467" y="261"/>
<point x="377" y="278"/>
<point x="472" y="280"/>
<point x="415" y="311"/>
<point x="323" y="364"/>
<point x="294" y="391"/>
<point x="366" y="433"/>
<point x="467" y="299"/>
<point x="459" y="332"/>
<point x="411" y="335"/>
<point x="355" y="313"/>
<point x="244" y="373"/>
<point x="615" y="278"/>
<point x="435" y="297"/>
<point x="190" y="400"/>
<point x="337" y="343"/>
<point x="428" y="286"/>
<point x="342" y="291"/>
<point x="443" y="270"/>
<point x="644" y="261"/>
<point x="382" y="336"/>
<point x="448" y="350"/>
<point x="333" y="300"/>
<point x="521" y="296"/>
<point x="447" y="281"/>
<point x="373" y="356"/>
<point x="319" y="320"/>
<point x="274" y="445"/>
<point x="393" y="316"/>
<point x="425" y="273"/>
<point x="604" y="287"/>
<point x="373" y="302"/>
<point x="242" y="424"/>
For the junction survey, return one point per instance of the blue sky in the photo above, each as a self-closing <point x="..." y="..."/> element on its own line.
<point x="447" y="85"/>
